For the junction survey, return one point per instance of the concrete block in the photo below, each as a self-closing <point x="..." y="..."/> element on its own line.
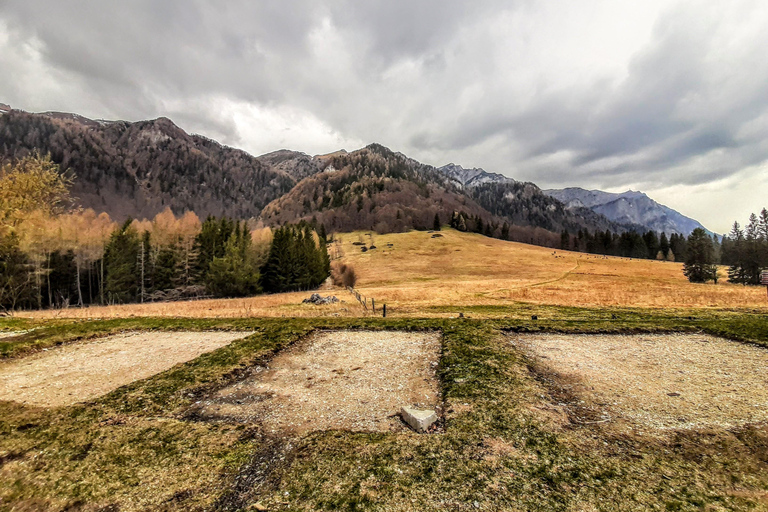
<point x="419" y="420"/>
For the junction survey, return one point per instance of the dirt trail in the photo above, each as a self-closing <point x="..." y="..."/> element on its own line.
<point x="352" y="380"/>
<point x="565" y="274"/>
<point x="84" y="371"/>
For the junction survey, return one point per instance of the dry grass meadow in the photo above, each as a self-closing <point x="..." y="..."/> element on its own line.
<point x="418" y="275"/>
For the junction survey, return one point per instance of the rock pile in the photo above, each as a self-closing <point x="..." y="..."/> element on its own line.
<point x="319" y="300"/>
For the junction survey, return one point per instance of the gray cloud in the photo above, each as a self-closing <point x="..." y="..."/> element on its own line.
<point x="599" y="94"/>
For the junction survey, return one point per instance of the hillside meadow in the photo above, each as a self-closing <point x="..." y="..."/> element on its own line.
<point x="420" y="274"/>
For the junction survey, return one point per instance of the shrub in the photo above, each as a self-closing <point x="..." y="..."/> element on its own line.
<point x="343" y="275"/>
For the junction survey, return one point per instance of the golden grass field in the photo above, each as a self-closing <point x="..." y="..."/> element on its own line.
<point x="418" y="275"/>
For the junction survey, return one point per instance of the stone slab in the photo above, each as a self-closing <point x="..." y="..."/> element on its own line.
<point x="419" y="420"/>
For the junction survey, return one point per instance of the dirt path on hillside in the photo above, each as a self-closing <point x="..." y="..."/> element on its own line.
<point x="350" y="380"/>
<point x="565" y="274"/>
<point x="657" y="382"/>
<point x="84" y="371"/>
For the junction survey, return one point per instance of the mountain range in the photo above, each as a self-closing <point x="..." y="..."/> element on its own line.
<point x="628" y="207"/>
<point x="137" y="169"/>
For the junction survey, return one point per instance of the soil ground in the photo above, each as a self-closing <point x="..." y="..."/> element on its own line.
<point x="84" y="371"/>
<point x="655" y="382"/>
<point x="350" y="380"/>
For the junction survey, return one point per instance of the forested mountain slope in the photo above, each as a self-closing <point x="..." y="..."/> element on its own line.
<point x="376" y="188"/>
<point x="373" y="188"/>
<point x="137" y="169"/>
<point x="524" y="204"/>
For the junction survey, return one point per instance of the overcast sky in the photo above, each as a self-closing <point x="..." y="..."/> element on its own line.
<point x="666" y="97"/>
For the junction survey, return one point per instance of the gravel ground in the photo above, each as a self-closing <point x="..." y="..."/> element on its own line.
<point x="659" y="382"/>
<point x="84" y="371"/>
<point x="351" y="380"/>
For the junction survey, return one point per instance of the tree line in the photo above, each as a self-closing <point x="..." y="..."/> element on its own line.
<point x="52" y="256"/>
<point x="629" y="244"/>
<point x="745" y="250"/>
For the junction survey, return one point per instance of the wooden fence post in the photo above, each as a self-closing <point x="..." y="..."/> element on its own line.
<point x="373" y="305"/>
<point x="384" y="309"/>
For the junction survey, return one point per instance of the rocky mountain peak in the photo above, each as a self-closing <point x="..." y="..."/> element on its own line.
<point x="630" y="207"/>
<point x="472" y="177"/>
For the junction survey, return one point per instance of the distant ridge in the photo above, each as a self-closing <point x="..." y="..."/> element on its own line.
<point x="630" y="207"/>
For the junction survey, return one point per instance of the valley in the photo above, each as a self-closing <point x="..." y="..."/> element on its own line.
<point x="189" y="378"/>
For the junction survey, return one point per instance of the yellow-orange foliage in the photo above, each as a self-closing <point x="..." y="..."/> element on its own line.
<point x="32" y="184"/>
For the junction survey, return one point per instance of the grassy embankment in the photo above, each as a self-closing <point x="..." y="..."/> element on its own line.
<point x="134" y="449"/>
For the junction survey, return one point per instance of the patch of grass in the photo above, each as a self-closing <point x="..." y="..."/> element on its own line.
<point x="13" y="324"/>
<point x="135" y="448"/>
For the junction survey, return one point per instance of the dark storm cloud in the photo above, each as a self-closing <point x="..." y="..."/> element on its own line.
<point x="595" y="93"/>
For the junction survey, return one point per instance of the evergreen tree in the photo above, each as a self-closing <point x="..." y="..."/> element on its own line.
<point x="505" y="231"/>
<point x="295" y="261"/>
<point x="144" y="270"/>
<point x="664" y="244"/>
<point x="121" y="257"/>
<point x="164" y="275"/>
<point x="16" y="283"/>
<point x="751" y="254"/>
<point x="717" y="247"/>
<point x="322" y="234"/>
<point x="763" y="237"/>
<point x="677" y="244"/>
<point x="211" y="243"/>
<point x="462" y="224"/>
<point x="60" y="285"/>
<point x="652" y="243"/>
<point x="479" y="225"/>
<point x="234" y="274"/>
<point x="274" y="272"/>
<point x="436" y="224"/>
<point x="639" y="249"/>
<point x="699" y="264"/>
